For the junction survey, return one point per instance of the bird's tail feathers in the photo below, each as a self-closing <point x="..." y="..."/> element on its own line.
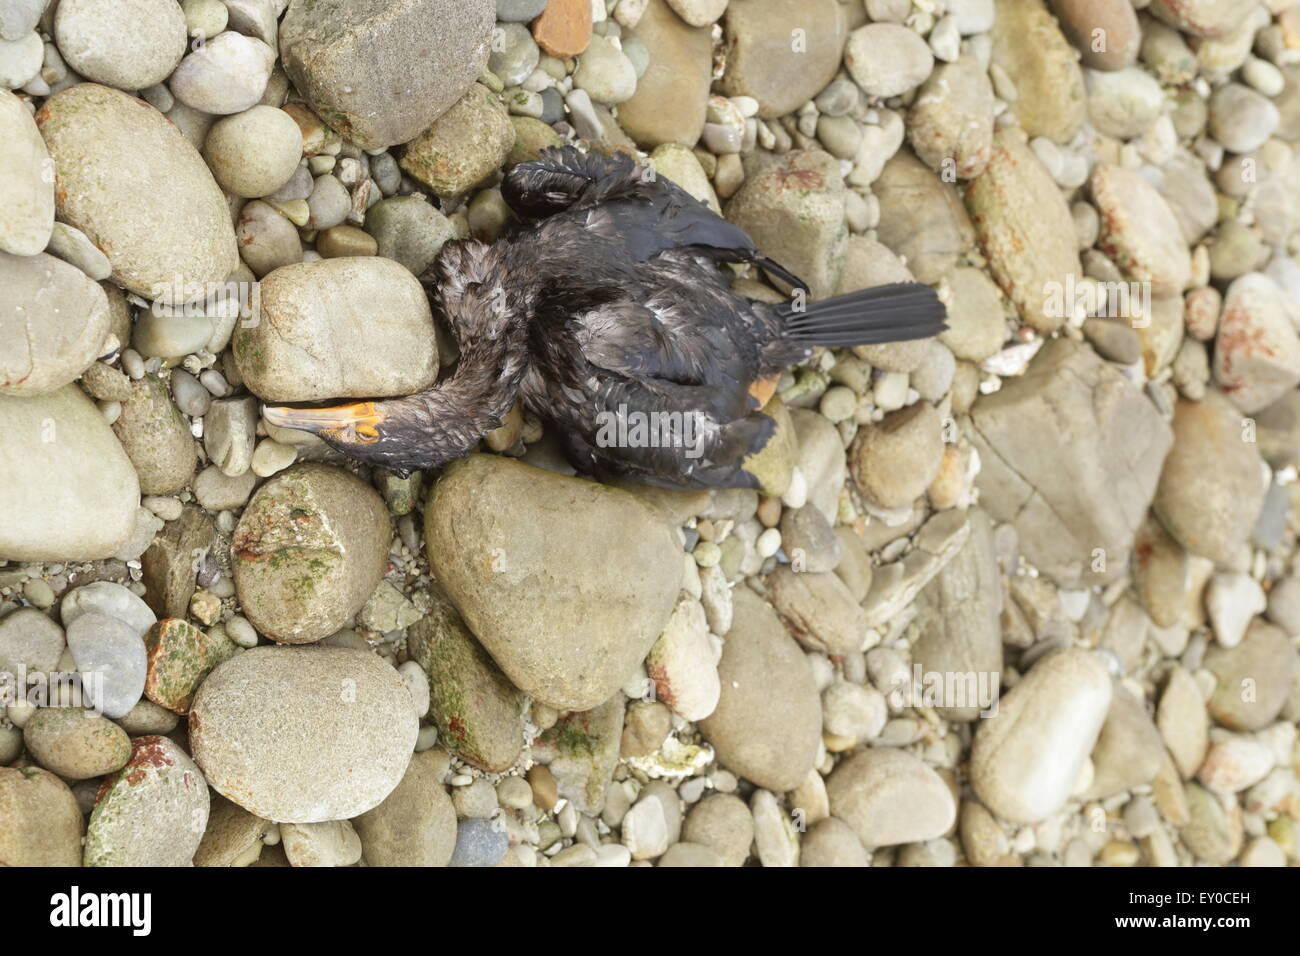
<point x="886" y="313"/>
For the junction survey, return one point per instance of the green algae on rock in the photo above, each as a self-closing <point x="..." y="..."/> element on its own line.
<point x="180" y="657"/>
<point x="309" y="551"/>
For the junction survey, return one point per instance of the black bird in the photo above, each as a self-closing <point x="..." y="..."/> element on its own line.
<point x="608" y="311"/>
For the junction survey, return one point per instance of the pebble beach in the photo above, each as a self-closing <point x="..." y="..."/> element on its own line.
<point x="1024" y="594"/>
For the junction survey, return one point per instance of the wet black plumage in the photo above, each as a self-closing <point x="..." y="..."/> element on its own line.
<point x="609" y="304"/>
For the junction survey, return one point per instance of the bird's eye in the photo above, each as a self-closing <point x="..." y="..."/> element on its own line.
<point x="365" y="433"/>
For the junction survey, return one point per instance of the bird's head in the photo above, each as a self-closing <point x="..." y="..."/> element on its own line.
<point x="425" y="430"/>
<point x="379" y="433"/>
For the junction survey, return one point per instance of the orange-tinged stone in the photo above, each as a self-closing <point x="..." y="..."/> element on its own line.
<point x="564" y="28"/>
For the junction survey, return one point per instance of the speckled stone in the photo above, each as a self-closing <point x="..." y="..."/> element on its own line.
<point x="1025" y="230"/>
<point x="40" y="822"/>
<point x="29" y="639"/>
<point x="119" y="163"/>
<point x="304" y="734"/>
<point x="128" y="44"/>
<point x="75" y="744"/>
<point x="152" y="812"/>
<point x="354" y="61"/>
<point x="479" y="843"/>
<point x="415" y="825"/>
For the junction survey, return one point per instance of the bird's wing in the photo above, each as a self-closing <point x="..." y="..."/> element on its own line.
<point x="629" y="205"/>
<point x="640" y="438"/>
<point x="622" y="341"/>
<point x="565" y="178"/>
<point x="671" y="324"/>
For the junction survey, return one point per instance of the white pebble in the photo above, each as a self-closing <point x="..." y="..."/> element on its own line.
<point x="768" y="543"/>
<point x="417" y="682"/>
<point x="239" y="630"/>
<point x="271" y="457"/>
<point x="796" y="496"/>
<point x="613" y="854"/>
<point x="1263" y="76"/>
<point x="945" y="39"/>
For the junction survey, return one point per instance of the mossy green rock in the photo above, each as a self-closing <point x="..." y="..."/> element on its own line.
<point x="152" y="812"/>
<point x="309" y="551"/>
<point x="773" y="465"/>
<point x="465" y="146"/>
<point x="675" y="162"/>
<point x="475" y="706"/>
<point x="75" y="744"/>
<point x="531" y="137"/>
<point x="566" y="582"/>
<point x="180" y="656"/>
<point x="581" y="751"/>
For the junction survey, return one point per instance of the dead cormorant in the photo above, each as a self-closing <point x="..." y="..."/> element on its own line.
<point x="609" y="313"/>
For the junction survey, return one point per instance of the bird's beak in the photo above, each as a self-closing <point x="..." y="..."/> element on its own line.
<point x="354" y="424"/>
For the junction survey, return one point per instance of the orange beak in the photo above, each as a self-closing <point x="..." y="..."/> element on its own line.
<point x="354" y="424"/>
